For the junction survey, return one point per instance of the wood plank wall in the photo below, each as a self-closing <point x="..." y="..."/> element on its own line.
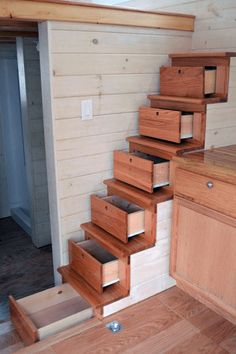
<point x="215" y="30"/>
<point x="116" y="67"/>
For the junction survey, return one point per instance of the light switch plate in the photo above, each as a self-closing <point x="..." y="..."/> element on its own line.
<point x="87" y="109"/>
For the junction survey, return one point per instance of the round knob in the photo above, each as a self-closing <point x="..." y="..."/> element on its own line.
<point x="210" y="185"/>
<point x="115" y="326"/>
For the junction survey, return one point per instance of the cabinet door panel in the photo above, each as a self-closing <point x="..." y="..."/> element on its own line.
<point x="203" y="252"/>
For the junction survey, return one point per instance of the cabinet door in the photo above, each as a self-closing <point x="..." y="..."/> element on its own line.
<point x="203" y="255"/>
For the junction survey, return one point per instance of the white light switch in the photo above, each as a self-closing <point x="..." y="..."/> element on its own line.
<point x="87" y="109"/>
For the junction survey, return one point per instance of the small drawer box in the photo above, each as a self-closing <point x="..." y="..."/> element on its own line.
<point x="183" y="81"/>
<point x="207" y="191"/>
<point x="141" y="170"/>
<point x="117" y="216"/>
<point x="92" y="262"/>
<point x="48" y="312"/>
<point x="165" y="124"/>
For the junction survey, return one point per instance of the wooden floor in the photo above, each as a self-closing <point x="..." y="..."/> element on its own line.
<point x="171" y="322"/>
<point x="24" y="270"/>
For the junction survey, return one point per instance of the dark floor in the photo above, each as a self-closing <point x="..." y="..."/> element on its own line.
<point x="24" y="269"/>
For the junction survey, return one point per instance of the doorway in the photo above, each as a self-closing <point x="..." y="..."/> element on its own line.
<point x="26" y="264"/>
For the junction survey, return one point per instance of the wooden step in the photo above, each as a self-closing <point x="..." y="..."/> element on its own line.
<point x="202" y="59"/>
<point x="113" y="245"/>
<point x="202" y="54"/>
<point x="111" y="293"/>
<point x="159" y="148"/>
<point x="186" y="104"/>
<point x="137" y="196"/>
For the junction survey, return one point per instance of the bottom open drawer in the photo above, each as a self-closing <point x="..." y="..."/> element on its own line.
<point x="48" y="312"/>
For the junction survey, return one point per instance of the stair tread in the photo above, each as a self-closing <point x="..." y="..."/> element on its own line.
<point x="110" y="294"/>
<point x="189" y="100"/>
<point x="112" y="244"/>
<point x="137" y="196"/>
<point x="164" y="149"/>
<point x="201" y="54"/>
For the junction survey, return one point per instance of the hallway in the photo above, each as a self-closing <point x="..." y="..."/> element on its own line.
<point x="24" y="269"/>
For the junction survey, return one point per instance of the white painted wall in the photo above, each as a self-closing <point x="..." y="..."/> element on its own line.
<point x="13" y="158"/>
<point x="6" y="51"/>
<point x="22" y="153"/>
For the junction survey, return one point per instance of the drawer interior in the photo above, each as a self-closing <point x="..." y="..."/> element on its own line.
<point x="186" y="125"/>
<point x="136" y="215"/>
<point x="109" y="262"/>
<point x="160" y="170"/>
<point x="55" y="309"/>
<point x="210" y="80"/>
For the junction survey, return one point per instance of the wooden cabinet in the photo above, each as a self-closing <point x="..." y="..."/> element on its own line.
<point x="203" y="243"/>
<point x="203" y="255"/>
<point x="117" y="216"/>
<point x="141" y="170"/>
<point x="48" y="312"/>
<point x="187" y="81"/>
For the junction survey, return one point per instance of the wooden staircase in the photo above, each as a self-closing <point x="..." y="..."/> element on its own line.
<point x="124" y="222"/>
<point x="126" y="241"/>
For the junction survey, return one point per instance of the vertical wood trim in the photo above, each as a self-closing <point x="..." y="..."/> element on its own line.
<point x="26" y="133"/>
<point x="174" y="236"/>
<point x="150" y="226"/>
<point x="124" y="272"/>
<point x="49" y="134"/>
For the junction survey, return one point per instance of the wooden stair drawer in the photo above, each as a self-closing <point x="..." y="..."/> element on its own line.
<point x="207" y="191"/>
<point x="141" y="170"/>
<point x="187" y="81"/>
<point x="165" y="124"/>
<point x="117" y="216"/>
<point x="48" y="312"/>
<point x="98" y="267"/>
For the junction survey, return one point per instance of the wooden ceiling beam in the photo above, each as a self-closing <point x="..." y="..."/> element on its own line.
<point x="52" y="10"/>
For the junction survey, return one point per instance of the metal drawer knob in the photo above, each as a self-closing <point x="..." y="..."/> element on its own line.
<point x="210" y="185"/>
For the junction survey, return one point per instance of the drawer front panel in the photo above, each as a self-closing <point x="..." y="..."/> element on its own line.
<point x="182" y="81"/>
<point x="207" y="191"/>
<point x="86" y="265"/>
<point x="160" y="124"/>
<point x="133" y="170"/>
<point x="109" y="217"/>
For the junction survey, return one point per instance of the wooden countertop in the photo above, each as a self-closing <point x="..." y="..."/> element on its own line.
<point x="219" y="163"/>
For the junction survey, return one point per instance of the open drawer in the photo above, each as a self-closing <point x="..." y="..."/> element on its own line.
<point x="117" y="216"/>
<point x="187" y="81"/>
<point x="165" y="124"/>
<point x="48" y="312"/>
<point x="141" y="170"/>
<point x="95" y="264"/>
